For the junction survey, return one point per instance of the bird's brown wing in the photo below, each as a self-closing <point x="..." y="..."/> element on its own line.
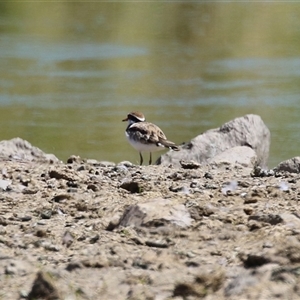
<point x="147" y="132"/>
<point x="150" y="133"/>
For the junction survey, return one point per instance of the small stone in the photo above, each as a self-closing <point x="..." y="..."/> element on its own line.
<point x="50" y="247"/>
<point x="137" y="240"/>
<point x="258" y="193"/>
<point x="59" y="175"/>
<point x="210" y="186"/>
<point x="184" y="290"/>
<point x="248" y="211"/>
<point x="25" y="181"/>
<point x="260" y="172"/>
<point x="189" y="165"/>
<point x="3" y="221"/>
<point x="41" y="222"/>
<point x="61" y="197"/>
<point x="81" y="168"/>
<point x="72" y="184"/>
<point x="41" y="233"/>
<point x="4" y="184"/>
<point x="198" y="212"/>
<point x="95" y="263"/>
<point x="73" y="266"/>
<point x="73" y="159"/>
<point x="244" y="184"/>
<point x="94" y="239"/>
<point x="81" y="238"/>
<point x="181" y="189"/>
<point x="25" y="218"/>
<point x="175" y="188"/>
<point x="229" y="188"/>
<point x="93" y="187"/>
<point x="67" y="239"/>
<point x="29" y="191"/>
<point x="253" y="260"/>
<point x="250" y="200"/>
<point x="157" y="244"/>
<point x="121" y="169"/>
<point x="132" y="187"/>
<point x="254" y="225"/>
<point x="23" y="294"/>
<point x="267" y="218"/>
<point x="132" y="216"/>
<point x="46" y="214"/>
<point x="126" y="163"/>
<point x="193" y="184"/>
<point x="268" y="244"/>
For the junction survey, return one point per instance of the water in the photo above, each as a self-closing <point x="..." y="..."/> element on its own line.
<point x="70" y="72"/>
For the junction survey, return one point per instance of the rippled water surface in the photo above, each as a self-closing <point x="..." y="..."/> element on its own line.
<point x="70" y="72"/>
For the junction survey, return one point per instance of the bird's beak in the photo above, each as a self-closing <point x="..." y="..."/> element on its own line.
<point x="125" y="120"/>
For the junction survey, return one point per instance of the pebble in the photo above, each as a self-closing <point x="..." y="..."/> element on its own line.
<point x="125" y="163"/>
<point x="157" y="244"/>
<point x="46" y="214"/>
<point x="92" y="187"/>
<point x="4" y="184"/>
<point x="41" y="222"/>
<point x="208" y="176"/>
<point x="50" y="247"/>
<point x="25" y="218"/>
<point x="131" y="186"/>
<point x="61" y="197"/>
<point x="67" y="238"/>
<point x="189" y="165"/>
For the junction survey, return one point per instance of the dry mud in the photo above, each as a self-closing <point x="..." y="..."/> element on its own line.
<point x="90" y="230"/>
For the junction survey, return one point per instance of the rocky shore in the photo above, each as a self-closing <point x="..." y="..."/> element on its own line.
<point x="222" y="226"/>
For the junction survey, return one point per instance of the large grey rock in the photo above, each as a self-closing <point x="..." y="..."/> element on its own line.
<point x="18" y="148"/>
<point x="248" y="130"/>
<point x="291" y="165"/>
<point x="241" y="155"/>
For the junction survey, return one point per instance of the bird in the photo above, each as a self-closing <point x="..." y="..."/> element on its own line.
<point x="145" y="136"/>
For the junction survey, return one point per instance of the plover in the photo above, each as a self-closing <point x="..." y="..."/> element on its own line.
<point x="145" y="136"/>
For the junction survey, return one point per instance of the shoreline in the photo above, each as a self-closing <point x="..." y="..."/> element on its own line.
<point x="129" y="232"/>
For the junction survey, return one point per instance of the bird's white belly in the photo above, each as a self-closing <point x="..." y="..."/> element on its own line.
<point x="141" y="147"/>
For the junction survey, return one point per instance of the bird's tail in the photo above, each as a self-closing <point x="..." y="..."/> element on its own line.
<point x="169" y="144"/>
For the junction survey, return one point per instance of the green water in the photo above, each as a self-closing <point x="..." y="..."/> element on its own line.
<point x="70" y="72"/>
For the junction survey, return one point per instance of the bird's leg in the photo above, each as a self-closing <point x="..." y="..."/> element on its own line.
<point x="150" y="161"/>
<point x="141" y="159"/>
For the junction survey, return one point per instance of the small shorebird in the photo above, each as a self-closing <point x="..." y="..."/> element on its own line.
<point x="145" y="136"/>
